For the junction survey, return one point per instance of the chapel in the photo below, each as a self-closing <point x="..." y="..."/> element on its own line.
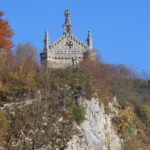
<point x="67" y="50"/>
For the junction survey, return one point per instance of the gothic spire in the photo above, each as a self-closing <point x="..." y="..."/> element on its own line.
<point x="89" y="40"/>
<point x="67" y="25"/>
<point x="46" y="41"/>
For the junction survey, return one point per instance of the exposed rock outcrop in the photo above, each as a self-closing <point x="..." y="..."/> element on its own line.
<point x="96" y="132"/>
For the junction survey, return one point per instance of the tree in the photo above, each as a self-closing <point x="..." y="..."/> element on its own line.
<point x="25" y="52"/>
<point x="5" y="35"/>
<point x="101" y="77"/>
<point x="24" y="72"/>
<point x="6" y="57"/>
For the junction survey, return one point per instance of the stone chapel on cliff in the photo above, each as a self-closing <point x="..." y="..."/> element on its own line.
<point x="67" y="50"/>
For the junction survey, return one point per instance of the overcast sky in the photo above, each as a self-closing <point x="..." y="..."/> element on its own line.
<point x="120" y="28"/>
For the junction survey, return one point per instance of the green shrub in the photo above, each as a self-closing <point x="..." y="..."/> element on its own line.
<point x="4" y="123"/>
<point x="124" y="122"/>
<point x="77" y="112"/>
<point x="144" y="111"/>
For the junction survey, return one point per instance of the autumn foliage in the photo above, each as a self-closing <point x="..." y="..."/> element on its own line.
<point x="22" y="78"/>
<point x="5" y="35"/>
<point x="101" y="77"/>
<point x="17" y="72"/>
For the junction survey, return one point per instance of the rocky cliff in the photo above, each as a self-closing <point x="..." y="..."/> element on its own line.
<point x="96" y="132"/>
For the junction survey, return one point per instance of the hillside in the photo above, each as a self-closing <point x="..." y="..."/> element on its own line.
<point x="92" y="106"/>
<point x="88" y="105"/>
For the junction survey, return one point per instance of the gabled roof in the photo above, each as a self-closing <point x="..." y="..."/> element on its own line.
<point x="69" y="37"/>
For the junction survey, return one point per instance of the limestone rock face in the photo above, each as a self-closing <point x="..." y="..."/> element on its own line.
<point x="96" y="131"/>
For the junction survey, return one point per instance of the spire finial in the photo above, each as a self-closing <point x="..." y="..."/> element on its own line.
<point x="89" y="40"/>
<point x="67" y="25"/>
<point x="67" y="14"/>
<point x="46" y="41"/>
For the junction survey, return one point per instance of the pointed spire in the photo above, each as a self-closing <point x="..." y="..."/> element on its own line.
<point x="67" y="14"/>
<point x="89" y="40"/>
<point x="46" y="41"/>
<point x="67" y="25"/>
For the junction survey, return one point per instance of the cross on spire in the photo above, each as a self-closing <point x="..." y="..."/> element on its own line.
<point x="67" y="25"/>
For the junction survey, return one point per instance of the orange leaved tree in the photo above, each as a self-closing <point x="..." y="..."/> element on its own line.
<point x="5" y="35"/>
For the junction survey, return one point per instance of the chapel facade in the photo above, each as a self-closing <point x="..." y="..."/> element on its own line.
<point x="67" y="50"/>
